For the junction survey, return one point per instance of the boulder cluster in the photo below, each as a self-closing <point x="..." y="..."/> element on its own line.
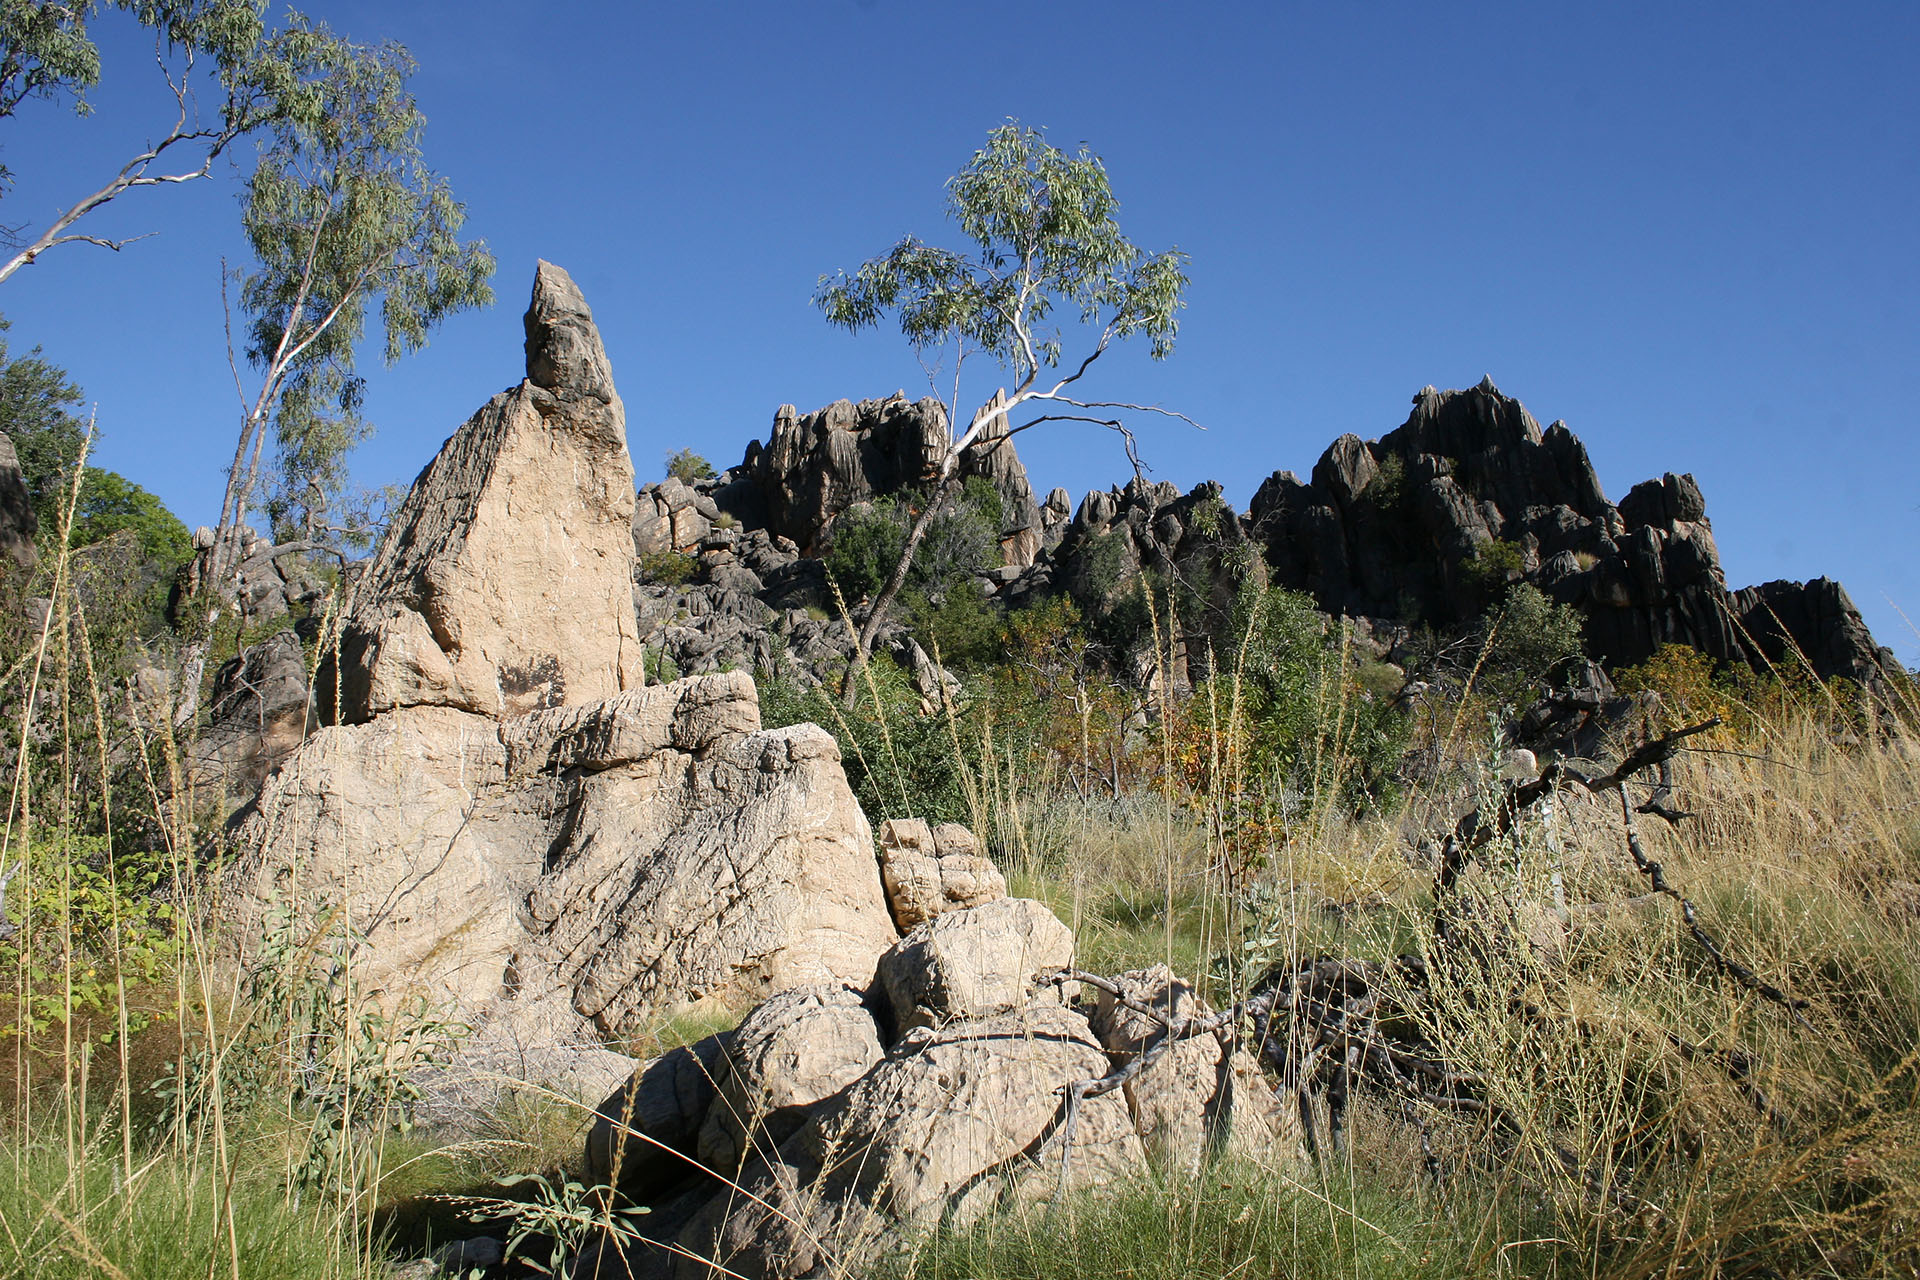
<point x="834" y="1120"/>
<point x="498" y="813"/>
<point x="498" y="819"/>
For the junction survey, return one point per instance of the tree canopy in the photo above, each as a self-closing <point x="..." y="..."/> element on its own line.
<point x="1047" y="248"/>
<point x="341" y="214"/>
<point x="1047" y="244"/>
<point x="207" y="51"/>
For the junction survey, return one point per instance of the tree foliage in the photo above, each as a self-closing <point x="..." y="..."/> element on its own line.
<point x="1043" y="223"/>
<point x="343" y="217"/>
<point x="37" y="403"/>
<point x="687" y="466"/>
<point x="1047" y="248"/>
<point x="217" y="50"/>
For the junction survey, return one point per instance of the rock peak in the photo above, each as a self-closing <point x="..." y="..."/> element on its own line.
<point x="564" y="352"/>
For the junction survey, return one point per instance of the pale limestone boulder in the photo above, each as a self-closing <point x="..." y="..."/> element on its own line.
<point x="739" y="872"/>
<point x="975" y="962"/>
<point x="504" y="584"/>
<point x="1199" y="1100"/>
<point x="644" y="1136"/>
<point x="400" y="832"/>
<point x="931" y="870"/>
<point x="943" y="1131"/>
<point x="609" y="861"/>
<point x="803" y="1045"/>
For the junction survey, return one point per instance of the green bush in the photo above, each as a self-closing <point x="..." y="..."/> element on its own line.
<point x="1311" y="723"/>
<point x="1531" y="637"/>
<point x="901" y="763"/>
<point x="866" y="543"/>
<point x="668" y="568"/>
<point x="687" y="466"/>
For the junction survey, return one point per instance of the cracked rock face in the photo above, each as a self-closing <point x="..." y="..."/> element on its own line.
<point x="856" y="1143"/>
<point x="500" y="817"/>
<point x="504" y="583"/>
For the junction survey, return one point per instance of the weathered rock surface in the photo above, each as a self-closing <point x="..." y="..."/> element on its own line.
<point x="644" y="1136"/>
<point x="506" y="584"/>
<point x="502" y="821"/>
<point x="639" y="853"/>
<point x="962" y="1120"/>
<point x="855" y="1149"/>
<point x="802" y="1046"/>
<point x="1424" y="520"/>
<point x="928" y="870"/>
<point x="974" y="963"/>
<point x="257" y="715"/>
<point x="18" y="524"/>
<point x="1202" y="1098"/>
<point x="815" y="466"/>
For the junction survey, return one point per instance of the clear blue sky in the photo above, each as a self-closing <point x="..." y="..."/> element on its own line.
<point x="1687" y="230"/>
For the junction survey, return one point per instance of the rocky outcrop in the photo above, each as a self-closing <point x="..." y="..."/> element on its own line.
<point x="257" y="715"/>
<point x="931" y="870"/>
<point x="815" y="466"/>
<point x="18" y="523"/>
<point x="834" y="1130"/>
<point x="1434" y="520"/>
<point x="505" y="586"/>
<point x="501" y="821"/>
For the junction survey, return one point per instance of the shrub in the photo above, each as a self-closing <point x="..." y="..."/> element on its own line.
<point x="668" y="568"/>
<point x="1531" y="636"/>
<point x="687" y="466"/>
<point x="866" y="543"/>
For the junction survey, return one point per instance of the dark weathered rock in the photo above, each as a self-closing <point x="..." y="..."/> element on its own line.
<point x="18" y="524"/>
<point x="257" y="716"/>
<point x="1409" y="524"/>
<point x="815" y="466"/>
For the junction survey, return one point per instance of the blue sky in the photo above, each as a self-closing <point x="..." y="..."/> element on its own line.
<point x="1687" y="230"/>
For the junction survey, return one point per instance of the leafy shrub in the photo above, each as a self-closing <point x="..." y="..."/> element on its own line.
<point x="1531" y="637"/>
<point x="866" y="543"/>
<point x="79" y="921"/>
<point x="1307" y="724"/>
<point x="1485" y="577"/>
<point x="668" y="568"/>
<point x="687" y="466"/>
<point x="901" y="763"/>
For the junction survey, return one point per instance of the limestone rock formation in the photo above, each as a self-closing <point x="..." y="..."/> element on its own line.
<point x="257" y="715"/>
<point x="503" y="821"/>
<point x="802" y="1046"/>
<point x="644" y="1135"/>
<point x="864" y="1131"/>
<point x="1204" y="1097"/>
<point x="1470" y="493"/>
<point x="974" y="963"/>
<point x="928" y="870"/>
<point x="815" y="466"/>
<point x="506" y="584"/>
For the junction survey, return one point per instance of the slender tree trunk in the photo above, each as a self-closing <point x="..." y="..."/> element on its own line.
<point x="877" y="614"/>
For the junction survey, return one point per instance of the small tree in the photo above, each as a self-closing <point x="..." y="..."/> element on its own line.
<point x="1046" y="240"/>
<point x="341" y="213"/>
<point x="687" y="466"/>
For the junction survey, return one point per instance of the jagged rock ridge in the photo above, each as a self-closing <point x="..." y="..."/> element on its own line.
<point x="1428" y="524"/>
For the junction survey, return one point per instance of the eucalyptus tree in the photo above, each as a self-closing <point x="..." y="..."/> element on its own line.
<point x="344" y="219"/>
<point x="222" y="80"/>
<point x="1046" y="247"/>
